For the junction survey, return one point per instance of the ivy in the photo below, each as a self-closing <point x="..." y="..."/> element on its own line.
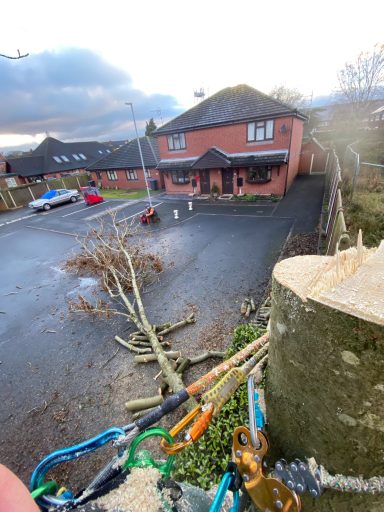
<point x="203" y="463"/>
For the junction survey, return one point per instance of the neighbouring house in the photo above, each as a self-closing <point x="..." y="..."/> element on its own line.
<point x="376" y="118"/>
<point x="237" y="141"/>
<point x="123" y="168"/>
<point x="314" y="157"/>
<point x="55" y="159"/>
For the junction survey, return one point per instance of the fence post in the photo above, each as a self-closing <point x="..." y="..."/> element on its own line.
<point x="13" y="201"/>
<point x="4" y="201"/>
<point x="30" y="191"/>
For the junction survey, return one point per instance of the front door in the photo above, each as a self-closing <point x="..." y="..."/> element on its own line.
<point x="227" y="175"/>
<point x="205" y="184"/>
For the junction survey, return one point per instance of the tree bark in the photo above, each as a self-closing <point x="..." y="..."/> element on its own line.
<point x="326" y="365"/>
<point x="152" y="357"/>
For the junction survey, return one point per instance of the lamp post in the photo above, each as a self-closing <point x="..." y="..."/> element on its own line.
<point x="141" y="154"/>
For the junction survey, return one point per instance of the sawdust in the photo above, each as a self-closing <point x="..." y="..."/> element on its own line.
<point x="139" y="493"/>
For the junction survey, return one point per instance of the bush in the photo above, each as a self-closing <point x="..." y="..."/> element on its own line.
<point x="203" y="463"/>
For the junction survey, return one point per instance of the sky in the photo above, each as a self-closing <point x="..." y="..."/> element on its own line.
<point x="87" y="58"/>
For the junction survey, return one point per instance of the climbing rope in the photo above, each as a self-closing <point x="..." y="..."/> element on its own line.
<point x="373" y="485"/>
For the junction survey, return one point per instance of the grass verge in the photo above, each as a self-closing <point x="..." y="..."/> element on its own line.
<point x="366" y="212"/>
<point x="127" y="194"/>
<point x="203" y="463"/>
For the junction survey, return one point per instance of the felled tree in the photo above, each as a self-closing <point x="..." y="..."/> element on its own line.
<point x="124" y="264"/>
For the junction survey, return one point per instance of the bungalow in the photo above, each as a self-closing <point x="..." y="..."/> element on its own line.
<point x="123" y="168"/>
<point x="54" y="159"/>
<point x="237" y="141"/>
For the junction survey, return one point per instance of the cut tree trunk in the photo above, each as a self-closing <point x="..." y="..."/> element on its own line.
<point x="325" y="384"/>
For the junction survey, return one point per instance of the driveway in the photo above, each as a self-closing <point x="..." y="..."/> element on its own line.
<point x="59" y="380"/>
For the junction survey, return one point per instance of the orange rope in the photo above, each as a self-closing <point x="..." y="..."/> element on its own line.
<point x="204" y="381"/>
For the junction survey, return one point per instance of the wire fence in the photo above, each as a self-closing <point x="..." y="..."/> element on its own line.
<point x="359" y="176"/>
<point x="333" y="232"/>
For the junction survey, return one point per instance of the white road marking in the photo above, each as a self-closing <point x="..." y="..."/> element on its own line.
<point x="115" y="209"/>
<point x="134" y="215"/>
<point x="8" y="234"/>
<point x="88" y="207"/>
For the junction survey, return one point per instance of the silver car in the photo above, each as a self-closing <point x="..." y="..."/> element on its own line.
<point x="53" y="197"/>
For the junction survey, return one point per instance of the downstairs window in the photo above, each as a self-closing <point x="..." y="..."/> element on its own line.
<point x="180" y="177"/>
<point x="259" y="174"/>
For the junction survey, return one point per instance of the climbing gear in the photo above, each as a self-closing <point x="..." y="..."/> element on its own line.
<point x="46" y="487"/>
<point x="231" y="481"/>
<point x="195" y="432"/>
<point x="299" y="476"/>
<point x="143" y="459"/>
<point x="256" y="416"/>
<point x="266" y="493"/>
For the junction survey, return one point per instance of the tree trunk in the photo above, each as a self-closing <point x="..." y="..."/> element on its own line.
<point x="325" y="383"/>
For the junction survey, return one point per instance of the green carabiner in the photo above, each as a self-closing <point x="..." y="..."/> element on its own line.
<point x="144" y="458"/>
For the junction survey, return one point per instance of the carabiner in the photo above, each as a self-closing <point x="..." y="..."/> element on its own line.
<point x="195" y="432"/>
<point x="256" y="416"/>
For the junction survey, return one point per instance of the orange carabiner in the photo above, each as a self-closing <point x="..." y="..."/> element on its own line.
<point x="194" y="433"/>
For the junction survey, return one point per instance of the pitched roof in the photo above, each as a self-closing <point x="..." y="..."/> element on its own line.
<point x="128" y="156"/>
<point x="230" y="105"/>
<point x="214" y="158"/>
<point x="177" y="164"/>
<point x="48" y="157"/>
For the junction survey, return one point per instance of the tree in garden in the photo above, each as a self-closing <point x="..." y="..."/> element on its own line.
<point x="124" y="264"/>
<point x="360" y="80"/>
<point x="289" y="96"/>
<point x="150" y="127"/>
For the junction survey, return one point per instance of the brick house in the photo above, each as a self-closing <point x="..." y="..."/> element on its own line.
<point x="123" y="168"/>
<point x="239" y="139"/>
<point x="55" y="159"/>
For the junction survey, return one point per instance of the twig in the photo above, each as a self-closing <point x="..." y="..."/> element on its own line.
<point x="110" y="359"/>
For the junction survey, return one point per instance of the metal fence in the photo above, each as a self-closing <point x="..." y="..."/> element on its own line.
<point x="334" y="231"/>
<point x="20" y="196"/>
<point x="361" y="176"/>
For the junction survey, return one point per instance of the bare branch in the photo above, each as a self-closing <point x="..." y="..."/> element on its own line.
<point x="19" y="56"/>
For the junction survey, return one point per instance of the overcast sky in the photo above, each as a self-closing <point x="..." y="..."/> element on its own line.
<point x="87" y="58"/>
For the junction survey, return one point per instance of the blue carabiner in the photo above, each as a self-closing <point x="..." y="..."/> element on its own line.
<point x="231" y="480"/>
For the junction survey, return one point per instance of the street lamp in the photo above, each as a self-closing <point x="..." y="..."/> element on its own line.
<point x="141" y="154"/>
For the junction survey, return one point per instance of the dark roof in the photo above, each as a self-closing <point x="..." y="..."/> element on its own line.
<point x="231" y="105"/>
<point x="216" y="158"/>
<point x="41" y="160"/>
<point x="7" y="174"/>
<point x="128" y="156"/>
<point x="178" y="164"/>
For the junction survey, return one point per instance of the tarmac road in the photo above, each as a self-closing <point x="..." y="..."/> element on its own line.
<point x="57" y="384"/>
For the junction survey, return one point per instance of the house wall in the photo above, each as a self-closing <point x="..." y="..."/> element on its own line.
<point x="275" y="186"/>
<point x="122" y="181"/>
<point x="319" y="160"/>
<point x="230" y="138"/>
<point x="296" y="134"/>
<point x="4" y="177"/>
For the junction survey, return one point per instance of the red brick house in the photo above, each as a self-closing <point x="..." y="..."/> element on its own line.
<point x="239" y="138"/>
<point x="55" y="159"/>
<point x="123" y="168"/>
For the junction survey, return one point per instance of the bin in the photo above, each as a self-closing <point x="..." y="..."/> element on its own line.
<point x="152" y="183"/>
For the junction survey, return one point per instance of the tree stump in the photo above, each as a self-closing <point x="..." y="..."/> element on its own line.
<point x="325" y="384"/>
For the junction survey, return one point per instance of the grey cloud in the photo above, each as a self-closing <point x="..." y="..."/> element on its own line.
<point x="72" y="93"/>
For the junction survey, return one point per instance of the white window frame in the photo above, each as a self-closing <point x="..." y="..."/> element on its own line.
<point x="131" y="175"/>
<point x="180" y="177"/>
<point x="112" y="176"/>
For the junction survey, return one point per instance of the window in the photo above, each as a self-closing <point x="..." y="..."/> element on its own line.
<point x="108" y="151"/>
<point x="64" y="158"/>
<point x="180" y="177"/>
<point x="112" y="176"/>
<point x="76" y="157"/>
<point x="131" y="174"/>
<point x="57" y="159"/>
<point x="81" y="155"/>
<point x="176" y="141"/>
<point x="98" y="175"/>
<point x="147" y="173"/>
<point x="100" y="152"/>
<point x="259" y="174"/>
<point x="260" y="130"/>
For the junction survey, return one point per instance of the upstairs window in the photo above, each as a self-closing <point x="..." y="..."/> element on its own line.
<point x="57" y="159"/>
<point x="259" y="174"/>
<point x="180" y="177"/>
<point x="82" y="156"/>
<point x="76" y="157"/>
<point x="131" y="175"/>
<point x="64" y="158"/>
<point x="260" y="130"/>
<point x="112" y="176"/>
<point x="176" y="141"/>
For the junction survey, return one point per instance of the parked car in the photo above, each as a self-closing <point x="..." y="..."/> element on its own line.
<point x="54" y="197"/>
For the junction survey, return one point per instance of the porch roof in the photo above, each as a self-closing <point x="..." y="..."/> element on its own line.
<point x="179" y="164"/>
<point x="214" y="158"/>
<point x="259" y="158"/>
